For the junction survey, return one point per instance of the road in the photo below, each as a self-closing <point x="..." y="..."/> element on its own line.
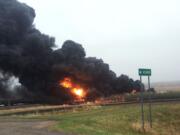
<point x="22" y="127"/>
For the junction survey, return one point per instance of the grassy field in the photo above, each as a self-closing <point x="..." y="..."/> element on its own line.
<point x="166" y="86"/>
<point x="158" y="96"/>
<point x="115" y="120"/>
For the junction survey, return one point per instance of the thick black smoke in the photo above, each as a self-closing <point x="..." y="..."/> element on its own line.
<point x="28" y="54"/>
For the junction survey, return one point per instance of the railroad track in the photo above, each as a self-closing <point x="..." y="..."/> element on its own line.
<point x="30" y="109"/>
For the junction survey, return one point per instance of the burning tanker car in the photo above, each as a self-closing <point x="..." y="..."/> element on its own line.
<point x="46" y="73"/>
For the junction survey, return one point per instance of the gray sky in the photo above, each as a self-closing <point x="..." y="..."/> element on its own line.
<point x="126" y="34"/>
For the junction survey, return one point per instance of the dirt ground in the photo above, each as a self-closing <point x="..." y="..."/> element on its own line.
<point x="21" y="127"/>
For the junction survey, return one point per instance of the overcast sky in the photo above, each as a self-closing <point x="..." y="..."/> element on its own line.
<point x="126" y="34"/>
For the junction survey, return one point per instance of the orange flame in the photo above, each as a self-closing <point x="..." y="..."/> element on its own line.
<point x="66" y="83"/>
<point x="75" y="89"/>
<point x="79" y="92"/>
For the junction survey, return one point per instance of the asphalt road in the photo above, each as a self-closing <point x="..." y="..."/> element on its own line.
<point x="21" y="127"/>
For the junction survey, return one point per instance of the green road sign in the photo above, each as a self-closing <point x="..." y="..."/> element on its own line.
<point x="144" y="72"/>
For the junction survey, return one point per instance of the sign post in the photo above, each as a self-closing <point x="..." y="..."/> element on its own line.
<point x="145" y="72"/>
<point x="150" y="110"/>
<point x="142" y="104"/>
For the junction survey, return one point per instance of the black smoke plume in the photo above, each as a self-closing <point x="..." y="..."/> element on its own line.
<point x="28" y="54"/>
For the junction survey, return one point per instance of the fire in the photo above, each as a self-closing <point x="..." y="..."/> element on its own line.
<point x="78" y="91"/>
<point x="75" y="89"/>
<point x="66" y="83"/>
